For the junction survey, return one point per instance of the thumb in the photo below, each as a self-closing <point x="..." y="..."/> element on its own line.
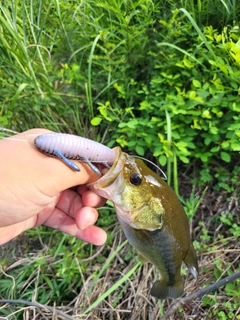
<point x="48" y="174"/>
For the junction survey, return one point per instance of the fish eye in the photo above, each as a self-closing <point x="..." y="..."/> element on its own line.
<point x="135" y="179"/>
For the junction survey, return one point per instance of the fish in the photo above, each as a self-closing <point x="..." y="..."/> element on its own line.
<point x="153" y="220"/>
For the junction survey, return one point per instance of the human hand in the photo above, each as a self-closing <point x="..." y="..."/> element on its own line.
<point x="37" y="190"/>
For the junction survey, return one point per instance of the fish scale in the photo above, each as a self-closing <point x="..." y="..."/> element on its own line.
<point x="148" y="210"/>
<point x="153" y="220"/>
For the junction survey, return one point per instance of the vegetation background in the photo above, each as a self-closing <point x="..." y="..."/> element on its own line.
<point x="160" y="79"/>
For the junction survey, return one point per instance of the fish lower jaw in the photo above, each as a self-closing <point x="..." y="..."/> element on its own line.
<point x="124" y="216"/>
<point x="131" y="218"/>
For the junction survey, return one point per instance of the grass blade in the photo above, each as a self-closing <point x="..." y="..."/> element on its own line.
<point x="89" y="83"/>
<point x="201" y="35"/>
<point x="113" y="288"/>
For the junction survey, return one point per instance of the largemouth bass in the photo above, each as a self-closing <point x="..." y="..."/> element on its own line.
<point x="152" y="219"/>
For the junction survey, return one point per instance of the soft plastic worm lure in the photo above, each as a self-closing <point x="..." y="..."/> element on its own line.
<point x="67" y="146"/>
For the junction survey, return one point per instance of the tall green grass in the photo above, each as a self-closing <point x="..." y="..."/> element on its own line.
<point x="158" y="78"/>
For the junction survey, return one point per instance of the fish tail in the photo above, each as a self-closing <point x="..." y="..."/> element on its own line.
<point x="191" y="261"/>
<point x="162" y="290"/>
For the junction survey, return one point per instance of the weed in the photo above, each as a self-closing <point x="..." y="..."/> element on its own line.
<point x="160" y="79"/>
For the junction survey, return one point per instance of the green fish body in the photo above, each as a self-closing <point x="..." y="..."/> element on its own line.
<point x="152" y="219"/>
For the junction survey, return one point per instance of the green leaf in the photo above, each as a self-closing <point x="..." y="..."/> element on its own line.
<point x="131" y="143"/>
<point x="207" y="141"/>
<point x="139" y="150"/>
<point x="235" y="146"/>
<point x="162" y="160"/>
<point x="225" y="156"/>
<point x="122" y="124"/>
<point x="192" y="95"/>
<point x="206" y="114"/>
<point x="225" y="144"/>
<point x="214" y="130"/>
<point x="184" y="159"/>
<point x="96" y="121"/>
<point x="132" y="123"/>
<point x="157" y="152"/>
<point x="196" y="83"/>
<point x="145" y="105"/>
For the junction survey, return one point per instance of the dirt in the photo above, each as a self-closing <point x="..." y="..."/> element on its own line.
<point x="217" y="255"/>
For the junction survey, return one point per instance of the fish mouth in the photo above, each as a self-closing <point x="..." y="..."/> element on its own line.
<point x="111" y="175"/>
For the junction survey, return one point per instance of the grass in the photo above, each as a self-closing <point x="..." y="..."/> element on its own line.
<point x="110" y="281"/>
<point x="64" y="65"/>
<point x="87" y="282"/>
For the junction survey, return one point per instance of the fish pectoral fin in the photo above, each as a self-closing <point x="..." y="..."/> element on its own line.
<point x="142" y="258"/>
<point x="162" y="290"/>
<point x="191" y="261"/>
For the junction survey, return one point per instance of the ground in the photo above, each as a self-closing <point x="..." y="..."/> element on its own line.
<point x="214" y="228"/>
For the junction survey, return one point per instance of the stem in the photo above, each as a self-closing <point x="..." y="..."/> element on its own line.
<point x="169" y="139"/>
<point x="200" y="293"/>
